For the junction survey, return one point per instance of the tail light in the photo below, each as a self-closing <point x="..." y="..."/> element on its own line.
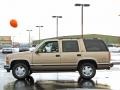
<point x="109" y="56"/>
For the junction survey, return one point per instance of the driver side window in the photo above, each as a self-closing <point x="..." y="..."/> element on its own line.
<point x="50" y="47"/>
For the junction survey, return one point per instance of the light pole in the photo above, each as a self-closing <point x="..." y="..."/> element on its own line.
<point x="29" y="35"/>
<point x="82" y="5"/>
<point x="13" y="41"/>
<point x="39" y="32"/>
<point x="57" y="23"/>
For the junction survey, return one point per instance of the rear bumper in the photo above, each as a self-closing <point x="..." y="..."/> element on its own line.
<point x="105" y="66"/>
<point x="115" y="63"/>
<point x="7" y="67"/>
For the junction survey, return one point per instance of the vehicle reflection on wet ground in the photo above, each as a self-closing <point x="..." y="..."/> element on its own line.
<point x="27" y="84"/>
<point x="30" y="84"/>
<point x="70" y="84"/>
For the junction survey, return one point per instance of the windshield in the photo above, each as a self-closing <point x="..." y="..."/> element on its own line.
<point x="38" y="46"/>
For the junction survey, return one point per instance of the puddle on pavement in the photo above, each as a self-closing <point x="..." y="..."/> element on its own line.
<point x="29" y="84"/>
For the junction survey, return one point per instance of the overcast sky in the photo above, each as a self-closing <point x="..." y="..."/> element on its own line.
<point x="100" y="18"/>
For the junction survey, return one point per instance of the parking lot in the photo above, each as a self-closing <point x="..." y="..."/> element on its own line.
<point x="104" y="79"/>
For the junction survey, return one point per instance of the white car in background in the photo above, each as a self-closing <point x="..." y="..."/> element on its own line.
<point x="7" y="49"/>
<point x="113" y="48"/>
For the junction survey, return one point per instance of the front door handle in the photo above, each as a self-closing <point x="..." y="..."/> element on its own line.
<point x="57" y="55"/>
<point x="78" y="54"/>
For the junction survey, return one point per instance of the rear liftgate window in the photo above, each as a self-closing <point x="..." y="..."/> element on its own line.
<point x="95" y="45"/>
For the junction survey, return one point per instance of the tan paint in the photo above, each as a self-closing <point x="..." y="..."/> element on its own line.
<point x="67" y="60"/>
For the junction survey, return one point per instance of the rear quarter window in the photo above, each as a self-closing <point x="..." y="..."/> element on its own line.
<point x="95" y="45"/>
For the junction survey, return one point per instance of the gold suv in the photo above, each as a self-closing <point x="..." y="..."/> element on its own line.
<point x="82" y="55"/>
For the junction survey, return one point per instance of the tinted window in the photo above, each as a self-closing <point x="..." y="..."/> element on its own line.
<point x="95" y="45"/>
<point x="70" y="46"/>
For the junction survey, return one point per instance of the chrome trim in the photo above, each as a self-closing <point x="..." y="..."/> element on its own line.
<point x="53" y="64"/>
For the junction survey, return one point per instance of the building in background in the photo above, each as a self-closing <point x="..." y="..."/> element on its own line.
<point x="5" y="40"/>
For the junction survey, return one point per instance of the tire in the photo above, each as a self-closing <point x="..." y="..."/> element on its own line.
<point x="20" y="71"/>
<point x="87" y="70"/>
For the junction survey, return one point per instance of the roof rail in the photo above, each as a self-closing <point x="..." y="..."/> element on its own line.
<point x="68" y="38"/>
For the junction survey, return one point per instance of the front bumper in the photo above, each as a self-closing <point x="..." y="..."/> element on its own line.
<point x="7" y="67"/>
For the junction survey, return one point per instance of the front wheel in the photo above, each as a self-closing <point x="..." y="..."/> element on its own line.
<point x="87" y="70"/>
<point x="20" y="71"/>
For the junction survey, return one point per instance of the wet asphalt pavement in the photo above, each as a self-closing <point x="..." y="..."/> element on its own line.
<point x="104" y="79"/>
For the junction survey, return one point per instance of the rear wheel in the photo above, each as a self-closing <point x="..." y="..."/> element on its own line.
<point x="87" y="70"/>
<point x="20" y="71"/>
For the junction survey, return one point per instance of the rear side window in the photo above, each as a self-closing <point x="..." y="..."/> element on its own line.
<point x="95" y="45"/>
<point x="70" y="46"/>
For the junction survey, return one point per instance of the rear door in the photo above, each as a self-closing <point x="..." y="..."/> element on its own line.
<point x="70" y="53"/>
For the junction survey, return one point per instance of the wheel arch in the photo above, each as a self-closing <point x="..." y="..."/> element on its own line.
<point x="87" y="61"/>
<point x="19" y="61"/>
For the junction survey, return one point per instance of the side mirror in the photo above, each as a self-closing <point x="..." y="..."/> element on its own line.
<point x="37" y="52"/>
<point x="40" y="51"/>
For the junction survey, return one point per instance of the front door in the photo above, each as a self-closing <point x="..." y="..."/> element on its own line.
<point x="47" y="56"/>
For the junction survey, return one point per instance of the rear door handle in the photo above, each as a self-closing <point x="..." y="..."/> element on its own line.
<point x="78" y="54"/>
<point x="57" y="55"/>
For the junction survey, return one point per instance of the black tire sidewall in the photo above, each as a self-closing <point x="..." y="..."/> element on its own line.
<point x="87" y="77"/>
<point x="17" y="65"/>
